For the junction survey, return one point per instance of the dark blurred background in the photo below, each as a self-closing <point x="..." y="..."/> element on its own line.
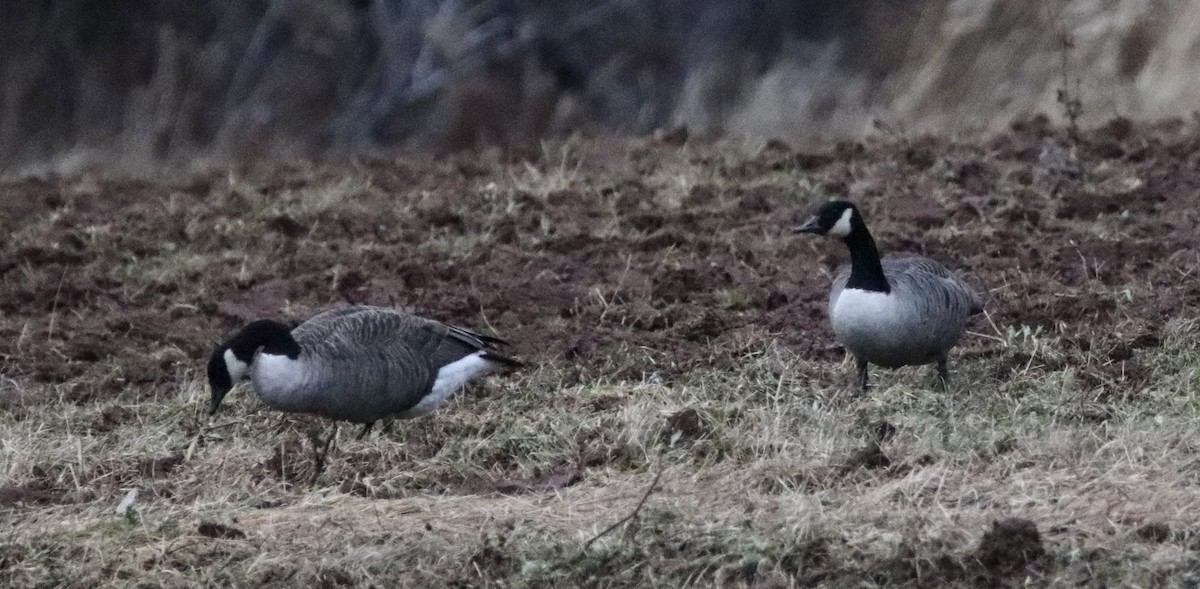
<point x="162" y="83"/>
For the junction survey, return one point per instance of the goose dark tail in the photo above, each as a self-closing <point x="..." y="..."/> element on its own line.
<point x="502" y="360"/>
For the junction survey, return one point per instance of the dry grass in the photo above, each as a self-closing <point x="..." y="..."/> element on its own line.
<point x="665" y="347"/>
<point x="767" y="490"/>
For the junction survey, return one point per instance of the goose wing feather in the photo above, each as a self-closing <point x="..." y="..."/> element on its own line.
<point x="383" y="360"/>
<point x="934" y="289"/>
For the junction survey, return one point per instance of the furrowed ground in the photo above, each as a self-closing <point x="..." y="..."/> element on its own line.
<point x="673" y="328"/>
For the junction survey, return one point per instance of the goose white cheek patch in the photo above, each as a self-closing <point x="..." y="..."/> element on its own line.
<point x="842" y="227"/>
<point x="237" y="368"/>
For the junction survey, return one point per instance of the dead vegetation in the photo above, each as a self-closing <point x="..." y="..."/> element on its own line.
<point x="669" y="319"/>
<point x="147" y="88"/>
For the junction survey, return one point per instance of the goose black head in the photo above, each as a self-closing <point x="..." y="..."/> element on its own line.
<point x="231" y="361"/>
<point x="836" y="218"/>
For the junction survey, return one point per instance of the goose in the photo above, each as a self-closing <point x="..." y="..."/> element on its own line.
<point x="902" y="310"/>
<point x="358" y="363"/>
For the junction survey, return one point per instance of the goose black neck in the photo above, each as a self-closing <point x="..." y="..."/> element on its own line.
<point x="866" y="270"/>
<point x="272" y="336"/>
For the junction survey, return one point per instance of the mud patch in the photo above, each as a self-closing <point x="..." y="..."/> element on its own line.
<point x="30" y="495"/>
<point x="880" y="432"/>
<point x="1154" y="532"/>
<point x="153" y="468"/>
<point x="112" y="417"/>
<point x="1010" y="546"/>
<point x="925" y="565"/>
<point x="689" y="424"/>
<point x="868" y="457"/>
<point x="216" y="530"/>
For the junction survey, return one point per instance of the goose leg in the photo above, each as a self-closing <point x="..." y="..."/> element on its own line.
<point x="320" y="452"/>
<point x="365" y="430"/>
<point x="943" y="372"/>
<point x="862" y="374"/>
<point x="387" y="425"/>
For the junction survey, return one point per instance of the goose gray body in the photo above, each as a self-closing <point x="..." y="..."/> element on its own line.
<point x="918" y="322"/>
<point x="358" y="364"/>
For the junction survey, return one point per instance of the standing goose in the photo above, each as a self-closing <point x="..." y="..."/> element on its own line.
<point x="898" y="311"/>
<point x="358" y="364"/>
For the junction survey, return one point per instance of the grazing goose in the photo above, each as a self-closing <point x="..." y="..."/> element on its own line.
<point x="898" y="311"/>
<point x="358" y="364"/>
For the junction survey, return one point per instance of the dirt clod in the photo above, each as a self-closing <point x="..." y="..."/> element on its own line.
<point x="216" y="530"/>
<point x="330" y="577"/>
<point x="880" y="432"/>
<point x="605" y="403"/>
<point x="673" y="137"/>
<point x="159" y="467"/>
<point x="1154" y="532"/>
<point x="1004" y="445"/>
<point x="1121" y="353"/>
<point x="112" y="416"/>
<point x="1146" y="340"/>
<point x="1011" y="545"/>
<point x="27" y="495"/>
<point x="689" y="423"/>
<point x="287" y="226"/>
<point x="1010" y="365"/>
<point x="869" y="457"/>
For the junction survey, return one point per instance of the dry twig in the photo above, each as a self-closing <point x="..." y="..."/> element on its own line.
<point x="633" y="514"/>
